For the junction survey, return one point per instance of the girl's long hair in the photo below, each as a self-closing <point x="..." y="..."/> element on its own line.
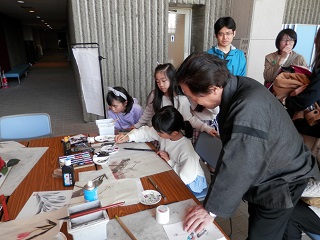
<point x="170" y="72"/>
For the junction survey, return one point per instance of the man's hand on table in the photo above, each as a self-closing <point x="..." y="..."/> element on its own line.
<point x="197" y="218"/>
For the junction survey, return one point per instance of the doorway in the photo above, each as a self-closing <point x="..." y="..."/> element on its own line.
<point x="179" y="32"/>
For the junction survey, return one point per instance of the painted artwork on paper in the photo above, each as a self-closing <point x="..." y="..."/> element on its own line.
<point x="175" y="232"/>
<point x="41" y="226"/>
<point x="135" y="164"/>
<point x="47" y="201"/>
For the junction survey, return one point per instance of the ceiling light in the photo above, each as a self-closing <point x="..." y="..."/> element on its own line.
<point x="20" y="1"/>
<point x="31" y="11"/>
<point x="37" y="16"/>
<point x="42" y="20"/>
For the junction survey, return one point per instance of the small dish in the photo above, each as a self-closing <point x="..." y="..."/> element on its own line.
<point x="110" y="149"/>
<point x="150" y="197"/>
<point x="104" y="138"/>
<point x="100" y="159"/>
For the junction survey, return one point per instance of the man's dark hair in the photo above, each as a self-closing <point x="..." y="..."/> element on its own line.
<point x="227" y="22"/>
<point x="202" y="70"/>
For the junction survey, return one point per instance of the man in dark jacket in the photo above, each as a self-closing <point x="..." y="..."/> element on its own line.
<point x="263" y="161"/>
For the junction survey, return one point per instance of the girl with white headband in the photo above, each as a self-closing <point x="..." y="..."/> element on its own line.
<point x="124" y="109"/>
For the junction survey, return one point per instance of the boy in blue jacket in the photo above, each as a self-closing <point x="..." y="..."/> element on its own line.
<point x="225" y="31"/>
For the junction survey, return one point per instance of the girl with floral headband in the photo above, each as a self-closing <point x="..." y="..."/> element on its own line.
<point x="124" y="109"/>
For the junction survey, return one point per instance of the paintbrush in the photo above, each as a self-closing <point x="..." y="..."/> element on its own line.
<point x="124" y="136"/>
<point x="139" y="149"/>
<point x="91" y="210"/>
<point x="157" y="187"/>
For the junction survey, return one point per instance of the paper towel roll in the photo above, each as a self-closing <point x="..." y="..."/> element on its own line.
<point x="162" y="214"/>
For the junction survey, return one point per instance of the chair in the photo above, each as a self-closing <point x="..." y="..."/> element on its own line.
<point x="25" y="126"/>
<point x="208" y="148"/>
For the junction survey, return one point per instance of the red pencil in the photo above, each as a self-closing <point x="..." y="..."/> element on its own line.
<point x="91" y="210"/>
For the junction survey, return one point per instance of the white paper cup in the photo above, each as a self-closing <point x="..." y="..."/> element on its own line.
<point x="162" y="214"/>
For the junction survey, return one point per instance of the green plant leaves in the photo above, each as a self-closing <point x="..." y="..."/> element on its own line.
<point x="4" y="170"/>
<point x="12" y="162"/>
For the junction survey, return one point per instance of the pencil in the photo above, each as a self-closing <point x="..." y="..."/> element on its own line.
<point x="125" y="228"/>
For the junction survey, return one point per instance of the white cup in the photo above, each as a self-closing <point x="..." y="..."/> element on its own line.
<point x="90" y="139"/>
<point x="162" y="214"/>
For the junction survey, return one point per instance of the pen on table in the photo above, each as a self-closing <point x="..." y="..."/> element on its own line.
<point x="139" y="149"/>
<point x="92" y="210"/>
<point x="158" y="189"/>
<point x="125" y="228"/>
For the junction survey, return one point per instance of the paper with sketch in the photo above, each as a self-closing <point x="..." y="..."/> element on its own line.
<point x="111" y="191"/>
<point x="10" y="144"/>
<point x="135" y="164"/>
<point x="41" y="226"/>
<point x="28" y="158"/>
<point x="46" y="201"/>
<point x="175" y="232"/>
<point x="143" y="225"/>
<point x="89" y="175"/>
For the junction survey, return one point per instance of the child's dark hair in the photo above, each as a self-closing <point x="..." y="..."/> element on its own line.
<point x="169" y="70"/>
<point x="168" y="119"/>
<point x="113" y="95"/>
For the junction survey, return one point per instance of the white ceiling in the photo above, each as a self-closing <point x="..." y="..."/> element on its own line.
<point x="53" y="12"/>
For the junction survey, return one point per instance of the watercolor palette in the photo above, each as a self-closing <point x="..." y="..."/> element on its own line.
<point x="79" y="160"/>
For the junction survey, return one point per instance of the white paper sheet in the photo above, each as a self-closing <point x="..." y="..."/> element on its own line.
<point x="143" y="225"/>
<point x="10" y="144"/>
<point x="135" y="164"/>
<point x="112" y="191"/>
<point x="28" y="158"/>
<point x="89" y="175"/>
<point x="89" y="68"/>
<point x="45" y="225"/>
<point x="46" y="201"/>
<point x="175" y="232"/>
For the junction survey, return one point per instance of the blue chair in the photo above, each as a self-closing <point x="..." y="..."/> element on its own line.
<point x="25" y="126"/>
<point x="313" y="236"/>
